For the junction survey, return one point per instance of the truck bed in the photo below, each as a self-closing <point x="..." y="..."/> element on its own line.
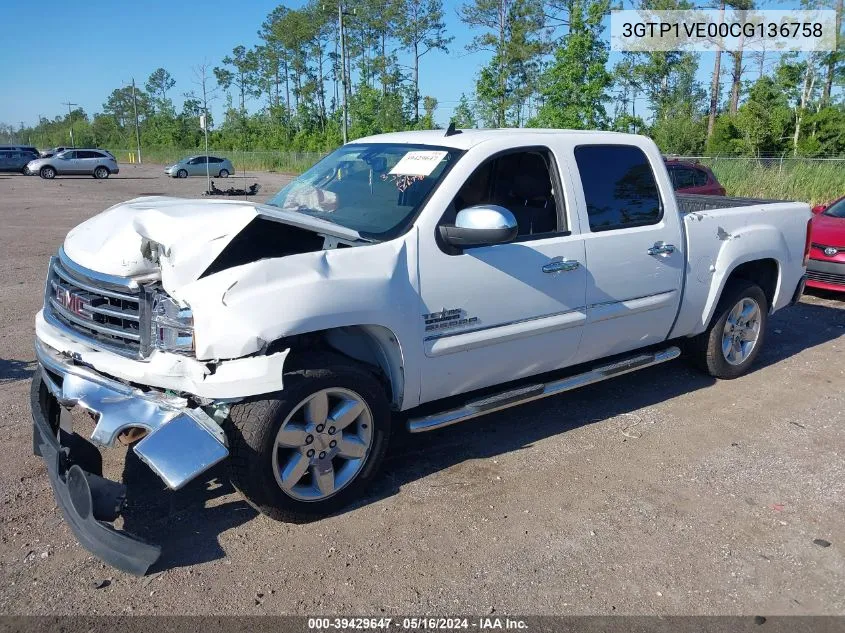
<point x="687" y="202"/>
<point x="721" y="232"/>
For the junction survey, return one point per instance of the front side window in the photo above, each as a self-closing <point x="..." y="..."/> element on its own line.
<point x="519" y="181"/>
<point x="619" y="186"/>
<point x="373" y="188"/>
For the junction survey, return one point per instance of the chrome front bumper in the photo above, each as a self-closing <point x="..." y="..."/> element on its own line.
<point x="181" y="443"/>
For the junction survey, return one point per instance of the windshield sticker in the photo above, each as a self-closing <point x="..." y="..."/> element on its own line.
<point x="418" y="163"/>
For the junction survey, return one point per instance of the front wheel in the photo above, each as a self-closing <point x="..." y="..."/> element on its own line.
<point x="310" y="449"/>
<point x="729" y="346"/>
<point x="47" y="173"/>
<point x="182" y="173"/>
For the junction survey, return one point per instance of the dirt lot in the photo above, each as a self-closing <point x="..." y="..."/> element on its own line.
<point x="662" y="492"/>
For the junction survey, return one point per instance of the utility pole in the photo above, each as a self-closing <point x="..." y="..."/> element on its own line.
<point x="340" y="14"/>
<point x="137" y="129"/>
<point x="70" y="118"/>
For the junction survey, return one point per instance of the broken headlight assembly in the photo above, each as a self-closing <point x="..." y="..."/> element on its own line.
<point x="171" y="325"/>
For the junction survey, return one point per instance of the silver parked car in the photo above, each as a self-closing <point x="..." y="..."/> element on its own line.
<point x="77" y="162"/>
<point x="196" y="166"/>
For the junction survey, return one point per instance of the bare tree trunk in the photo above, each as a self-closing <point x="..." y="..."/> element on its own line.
<point x="416" y="82"/>
<point x="714" y="83"/>
<point x="806" y="91"/>
<point x="832" y="59"/>
<point x="736" y="81"/>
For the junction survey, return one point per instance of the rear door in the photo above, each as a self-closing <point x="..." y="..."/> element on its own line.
<point x="633" y="250"/>
<point x="86" y="161"/>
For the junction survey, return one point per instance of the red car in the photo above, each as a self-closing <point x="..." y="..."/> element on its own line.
<point x="693" y="178"/>
<point x="826" y="268"/>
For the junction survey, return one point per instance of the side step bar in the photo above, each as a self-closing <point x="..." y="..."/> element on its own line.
<point x="528" y="393"/>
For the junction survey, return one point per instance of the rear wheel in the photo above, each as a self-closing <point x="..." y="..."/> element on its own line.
<point x="316" y="445"/>
<point x="182" y="173"/>
<point x="101" y="173"/>
<point x="47" y="172"/>
<point x="731" y="343"/>
<point x="224" y="173"/>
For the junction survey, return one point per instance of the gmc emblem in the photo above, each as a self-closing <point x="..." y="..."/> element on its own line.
<point x="70" y="301"/>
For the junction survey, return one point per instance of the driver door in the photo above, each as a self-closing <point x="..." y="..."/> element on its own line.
<point x="500" y="312"/>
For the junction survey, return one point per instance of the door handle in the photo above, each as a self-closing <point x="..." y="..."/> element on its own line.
<point x="661" y="248"/>
<point x="560" y="266"/>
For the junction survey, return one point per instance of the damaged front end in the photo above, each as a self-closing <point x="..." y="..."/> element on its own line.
<point x="179" y="443"/>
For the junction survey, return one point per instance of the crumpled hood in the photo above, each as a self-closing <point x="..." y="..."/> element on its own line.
<point x="192" y="233"/>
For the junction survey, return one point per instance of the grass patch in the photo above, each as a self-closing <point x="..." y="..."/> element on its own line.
<point x="805" y="181"/>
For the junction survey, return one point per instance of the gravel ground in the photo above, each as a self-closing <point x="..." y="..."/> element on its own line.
<point x="661" y="492"/>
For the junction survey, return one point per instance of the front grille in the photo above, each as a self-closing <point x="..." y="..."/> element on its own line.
<point x="828" y="278"/>
<point x="107" y="315"/>
<point x="821" y="247"/>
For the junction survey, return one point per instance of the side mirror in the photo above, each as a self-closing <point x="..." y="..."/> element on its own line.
<point x="482" y="225"/>
<point x="819" y="208"/>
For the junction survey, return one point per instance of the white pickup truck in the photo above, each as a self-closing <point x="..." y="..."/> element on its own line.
<point x="421" y="277"/>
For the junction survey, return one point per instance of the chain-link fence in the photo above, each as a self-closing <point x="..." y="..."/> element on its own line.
<point x="813" y="180"/>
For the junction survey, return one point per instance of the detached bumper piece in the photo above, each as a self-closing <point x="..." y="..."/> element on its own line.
<point x="180" y="443"/>
<point x="86" y="499"/>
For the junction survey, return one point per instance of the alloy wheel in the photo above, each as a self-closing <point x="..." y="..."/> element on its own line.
<point x="323" y="444"/>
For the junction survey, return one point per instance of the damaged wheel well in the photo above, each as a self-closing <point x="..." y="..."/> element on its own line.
<point x="373" y="345"/>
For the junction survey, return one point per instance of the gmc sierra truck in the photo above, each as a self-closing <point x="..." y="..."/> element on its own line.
<point x="422" y="278"/>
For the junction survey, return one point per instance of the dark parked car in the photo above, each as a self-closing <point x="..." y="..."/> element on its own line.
<point x="16" y="160"/>
<point x="690" y="177"/>
<point x="25" y="148"/>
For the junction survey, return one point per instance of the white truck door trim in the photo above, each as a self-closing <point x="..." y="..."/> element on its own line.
<point x="627" y="307"/>
<point x="465" y="341"/>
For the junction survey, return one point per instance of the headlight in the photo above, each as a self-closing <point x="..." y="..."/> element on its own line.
<point x="172" y="326"/>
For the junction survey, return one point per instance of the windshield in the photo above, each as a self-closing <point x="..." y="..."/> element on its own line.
<point x="836" y="210"/>
<point x="372" y="188"/>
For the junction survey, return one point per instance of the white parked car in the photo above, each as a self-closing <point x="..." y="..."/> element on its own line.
<point x="487" y="267"/>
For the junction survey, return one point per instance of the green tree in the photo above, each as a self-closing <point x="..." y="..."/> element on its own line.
<point x="157" y="86"/>
<point x="512" y="32"/>
<point x="574" y="88"/>
<point x="421" y="29"/>
<point x="763" y="120"/>
<point x="463" y="116"/>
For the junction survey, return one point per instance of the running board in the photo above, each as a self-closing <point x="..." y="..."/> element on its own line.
<point x="528" y="393"/>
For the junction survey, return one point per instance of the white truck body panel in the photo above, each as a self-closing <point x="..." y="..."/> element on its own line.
<point x="520" y="320"/>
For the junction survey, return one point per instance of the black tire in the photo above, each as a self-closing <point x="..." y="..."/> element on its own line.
<point x="101" y="173"/>
<point x="253" y="424"/>
<point x="47" y="172"/>
<point x="224" y="173"/>
<point x="182" y="173"/>
<point x="705" y="350"/>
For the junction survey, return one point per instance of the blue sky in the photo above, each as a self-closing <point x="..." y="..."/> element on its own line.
<point x="56" y="51"/>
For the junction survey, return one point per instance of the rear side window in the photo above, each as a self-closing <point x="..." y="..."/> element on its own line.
<point x="701" y="178"/>
<point x="619" y="186"/>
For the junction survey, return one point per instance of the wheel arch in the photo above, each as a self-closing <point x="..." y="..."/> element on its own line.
<point x="374" y="345"/>
<point x="763" y="271"/>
